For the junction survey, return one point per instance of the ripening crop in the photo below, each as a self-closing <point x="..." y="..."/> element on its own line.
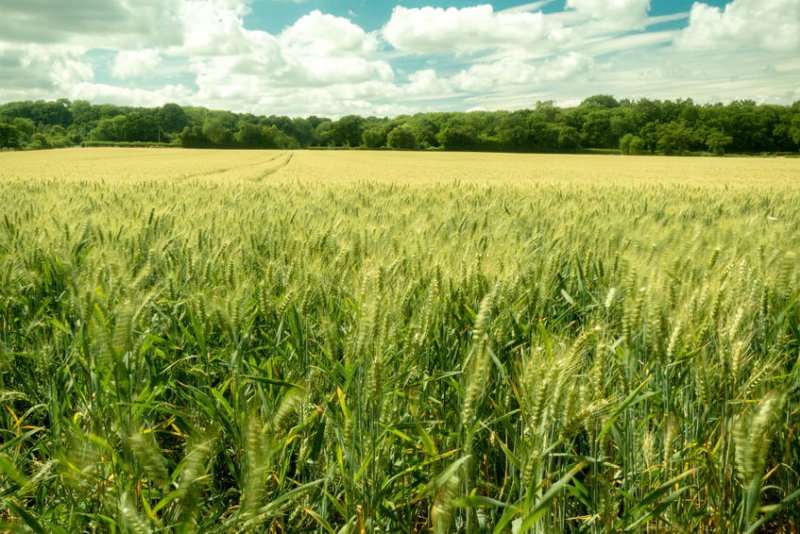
<point x="225" y="341"/>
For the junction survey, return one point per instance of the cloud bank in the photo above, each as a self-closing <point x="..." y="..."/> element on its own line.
<point x="202" y="52"/>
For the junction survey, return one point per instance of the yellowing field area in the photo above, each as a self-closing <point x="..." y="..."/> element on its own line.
<point x="403" y="168"/>
<point x="345" y="341"/>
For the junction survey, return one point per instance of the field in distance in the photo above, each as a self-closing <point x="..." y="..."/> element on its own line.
<point x="403" y="168"/>
<point x="347" y="341"/>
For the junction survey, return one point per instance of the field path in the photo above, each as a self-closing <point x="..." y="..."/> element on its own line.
<point x="228" y="168"/>
<point x="283" y="162"/>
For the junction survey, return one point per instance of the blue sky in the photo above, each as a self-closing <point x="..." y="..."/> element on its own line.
<point x="325" y="57"/>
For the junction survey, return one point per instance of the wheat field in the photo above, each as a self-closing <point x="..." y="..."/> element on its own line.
<point x="344" y="341"/>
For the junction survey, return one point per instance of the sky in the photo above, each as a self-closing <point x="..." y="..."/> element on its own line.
<point x="371" y="57"/>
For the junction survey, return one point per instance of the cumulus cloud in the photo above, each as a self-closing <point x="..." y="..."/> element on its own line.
<point x="426" y="82"/>
<point x="47" y="22"/>
<point x="35" y="70"/>
<point x="318" y="50"/>
<point x="322" y="61"/>
<point x="98" y="92"/>
<point x="614" y="14"/>
<point x="771" y="25"/>
<point x="429" y="30"/>
<point x="135" y="63"/>
<point x="483" y="77"/>
<point x="214" y="28"/>
<point x="566" y="67"/>
<point x="129" y="96"/>
<point x="325" y="49"/>
<point x="510" y="73"/>
<point x="423" y="58"/>
<point x="88" y="23"/>
<point x="322" y="34"/>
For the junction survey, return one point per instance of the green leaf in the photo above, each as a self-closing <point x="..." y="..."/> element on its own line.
<point x="478" y="501"/>
<point x="26" y="517"/>
<point x="541" y="505"/>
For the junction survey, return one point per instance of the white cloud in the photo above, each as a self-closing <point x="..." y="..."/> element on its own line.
<point x="330" y="70"/>
<point x="92" y="23"/>
<point x="426" y="83"/>
<point x="614" y="14"/>
<point x="532" y="6"/>
<point x="426" y="58"/>
<point x="771" y="25"/>
<point x="484" y="77"/>
<point x="135" y="63"/>
<point x="96" y="92"/>
<point x="324" y="49"/>
<point x="321" y="34"/>
<point x="566" y="67"/>
<point x="319" y="50"/>
<point x="213" y="28"/>
<point x="436" y="30"/>
<point x="320" y="64"/>
<point x="37" y="70"/>
<point x="633" y="41"/>
<point x="512" y="75"/>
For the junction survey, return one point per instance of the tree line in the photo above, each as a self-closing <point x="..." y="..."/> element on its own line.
<point x="641" y="126"/>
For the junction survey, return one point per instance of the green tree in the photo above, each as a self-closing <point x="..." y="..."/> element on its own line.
<point x="402" y="137"/>
<point x="650" y="135"/>
<point x="600" y="121"/>
<point x="637" y="146"/>
<point x="646" y="112"/>
<point x="459" y="137"/>
<point x="545" y="136"/>
<point x="303" y="131"/>
<point x="623" y="122"/>
<point x="172" y="118"/>
<point x="326" y="133"/>
<point x="348" y="131"/>
<point x="716" y="141"/>
<point x="40" y="140"/>
<point x="674" y="138"/>
<point x="596" y="131"/>
<point x="193" y="137"/>
<point x="546" y="111"/>
<point x="600" y="101"/>
<point x="794" y="128"/>
<point x="139" y="126"/>
<point x="57" y="136"/>
<point x="25" y="126"/>
<point x="250" y="135"/>
<point x="109" y="130"/>
<point x="514" y="133"/>
<point x="10" y="136"/>
<point x="84" y="113"/>
<point x="215" y="131"/>
<point x="568" y="138"/>
<point x="374" y="137"/>
<point x="53" y="113"/>
<point x="425" y="130"/>
<point x="74" y="135"/>
<point x="625" y="143"/>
